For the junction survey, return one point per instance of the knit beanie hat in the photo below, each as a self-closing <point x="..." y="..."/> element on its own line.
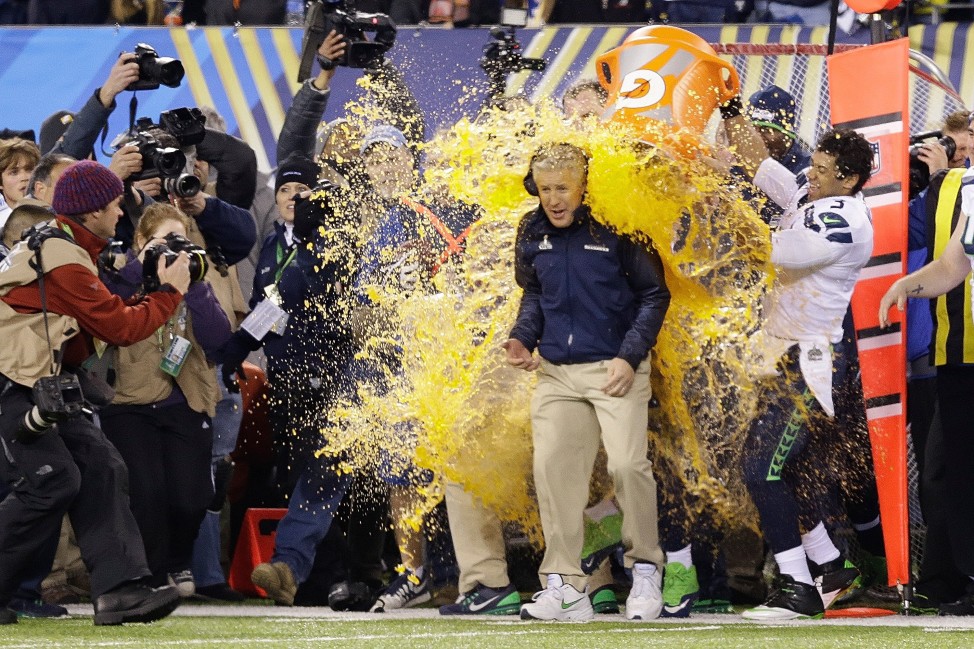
<point x="85" y="186"/>
<point x="296" y="169"/>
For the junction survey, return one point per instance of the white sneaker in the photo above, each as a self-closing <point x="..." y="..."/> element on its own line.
<point x="646" y="597"/>
<point x="184" y="583"/>
<point x="559" y="601"/>
<point x="405" y="591"/>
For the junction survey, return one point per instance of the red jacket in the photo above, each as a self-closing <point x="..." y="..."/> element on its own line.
<point x="73" y="290"/>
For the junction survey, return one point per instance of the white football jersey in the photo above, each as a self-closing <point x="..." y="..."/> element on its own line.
<point x="818" y="251"/>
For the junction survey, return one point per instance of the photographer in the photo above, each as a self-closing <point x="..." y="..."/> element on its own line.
<point x="938" y="332"/>
<point x="396" y="102"/>
<point x="220" y="222"/>
<point x="160" y="418"/>
<point x="72" y="467"/>
<point x="307" y="366"/>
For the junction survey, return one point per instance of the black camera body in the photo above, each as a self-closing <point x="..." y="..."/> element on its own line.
<point x="175" y="244"/>
<point x="55" y="399"/>
<point x="341" y="16"/>
<point x="155" y="70"/>
<point x="157" y="161"/>
<point x="919" y="171"/>
<point x="502" y="56"/>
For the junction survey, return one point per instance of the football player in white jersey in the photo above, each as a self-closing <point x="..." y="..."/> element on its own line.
<point x="824" y="239"/>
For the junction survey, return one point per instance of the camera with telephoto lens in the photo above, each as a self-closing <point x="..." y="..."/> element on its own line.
<point x="919" y="170"/>
<point x="340" y="15"/>
<point x="155" y="70"/>
<point x="55" y="399"/>
<point x="183" y="127"/>
<point x="175" y="244"/>
<point x="502" y="57"/>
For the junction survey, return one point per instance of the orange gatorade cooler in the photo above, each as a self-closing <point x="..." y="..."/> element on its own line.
<point x="666" y="74"/>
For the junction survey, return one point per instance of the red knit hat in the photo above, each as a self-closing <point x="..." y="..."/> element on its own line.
<point x="85" y="186"/>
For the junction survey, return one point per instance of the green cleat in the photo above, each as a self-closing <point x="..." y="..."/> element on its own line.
<point x="680" y="590"/>
<point x="604" y="601"/>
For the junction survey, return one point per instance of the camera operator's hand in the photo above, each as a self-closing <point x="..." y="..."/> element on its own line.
<point x="176" y="274"/>
<point x="149" y="244"/>
<point x="935" y="155"/>
<point x="124" y="73"/>
<point x="151" y="187"/>
<point x="192" y="206"/>
<point x="331" y="50"/>
<point x="126" y="161"/>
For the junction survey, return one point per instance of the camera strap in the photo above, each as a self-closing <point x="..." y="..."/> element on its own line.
<point x="39" y="267"/>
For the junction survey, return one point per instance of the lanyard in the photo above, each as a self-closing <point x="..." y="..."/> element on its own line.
<point x="179" y="316"/>
<point x="454" y="245"/>
<point x="292" y="251"/>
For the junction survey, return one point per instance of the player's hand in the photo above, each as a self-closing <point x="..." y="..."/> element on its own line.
<point x="519" y="356"/>
<point x="619" y="378"/>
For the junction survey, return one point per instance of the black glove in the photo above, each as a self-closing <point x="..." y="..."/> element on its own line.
<point x="308" y="217"/>
<point x="232" y="355"/>
<point x="733" y="107"/>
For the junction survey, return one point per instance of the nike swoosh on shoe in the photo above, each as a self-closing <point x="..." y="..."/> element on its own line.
<point x="479" y="607"/>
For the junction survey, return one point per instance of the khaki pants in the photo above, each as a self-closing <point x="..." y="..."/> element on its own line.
<point x="569" y="414"/>
<point x="478" y="540"/>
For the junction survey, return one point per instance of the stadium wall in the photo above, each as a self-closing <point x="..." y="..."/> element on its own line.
<point x="248" y="74"/>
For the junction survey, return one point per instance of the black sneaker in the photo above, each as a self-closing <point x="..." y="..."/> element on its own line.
<point x="963" y="606"/>
<point x="7" y="616"/>
<point x="790" y="600"/>
<point x="834" y="579"/>
<point x="36" y="608"/>
<point x="483" y="600"/>
<point x="351" y="596"/>
<point x="135" y="602"/>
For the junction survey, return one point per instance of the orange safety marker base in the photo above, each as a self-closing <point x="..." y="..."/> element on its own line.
<point x="254" y="545"/>
<point x="857" y="611"/>
<point x="869" y="93"/>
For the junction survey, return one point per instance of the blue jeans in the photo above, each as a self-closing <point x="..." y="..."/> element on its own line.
<point x="206" y="567"/>
<point x="315" y="500"/>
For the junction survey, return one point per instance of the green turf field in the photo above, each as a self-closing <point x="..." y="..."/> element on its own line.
<point x="194" y="628"/>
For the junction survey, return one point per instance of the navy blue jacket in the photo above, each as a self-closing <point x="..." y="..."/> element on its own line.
<point x="589" y="294"/>
<point x="318" y="330"/>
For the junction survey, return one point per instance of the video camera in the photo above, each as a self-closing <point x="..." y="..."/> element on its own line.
<point x="919" y="170"/>
<point x="55" y="399"/>
<point x="186" y="127"/>
<point x="175" y="244"/>
<point x="341" y="16"/>
<point x="502" y="56"/>
<point x="155" y="70"/>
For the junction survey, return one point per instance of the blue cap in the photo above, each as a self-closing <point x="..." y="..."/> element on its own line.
<point x="385" y="134"/>
<point x="775" y="108"/>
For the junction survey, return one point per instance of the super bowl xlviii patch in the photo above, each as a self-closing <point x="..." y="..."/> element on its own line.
<point x="545" y="245"/>
<point x="814" y="354"/>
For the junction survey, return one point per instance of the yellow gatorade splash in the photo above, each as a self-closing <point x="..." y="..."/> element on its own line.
<point x="456" y="409"/>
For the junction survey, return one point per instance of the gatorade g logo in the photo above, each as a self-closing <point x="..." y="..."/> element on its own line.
<point x="641" y="89"/>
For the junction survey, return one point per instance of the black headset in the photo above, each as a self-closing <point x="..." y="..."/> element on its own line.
<point x="530" y="186"/>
